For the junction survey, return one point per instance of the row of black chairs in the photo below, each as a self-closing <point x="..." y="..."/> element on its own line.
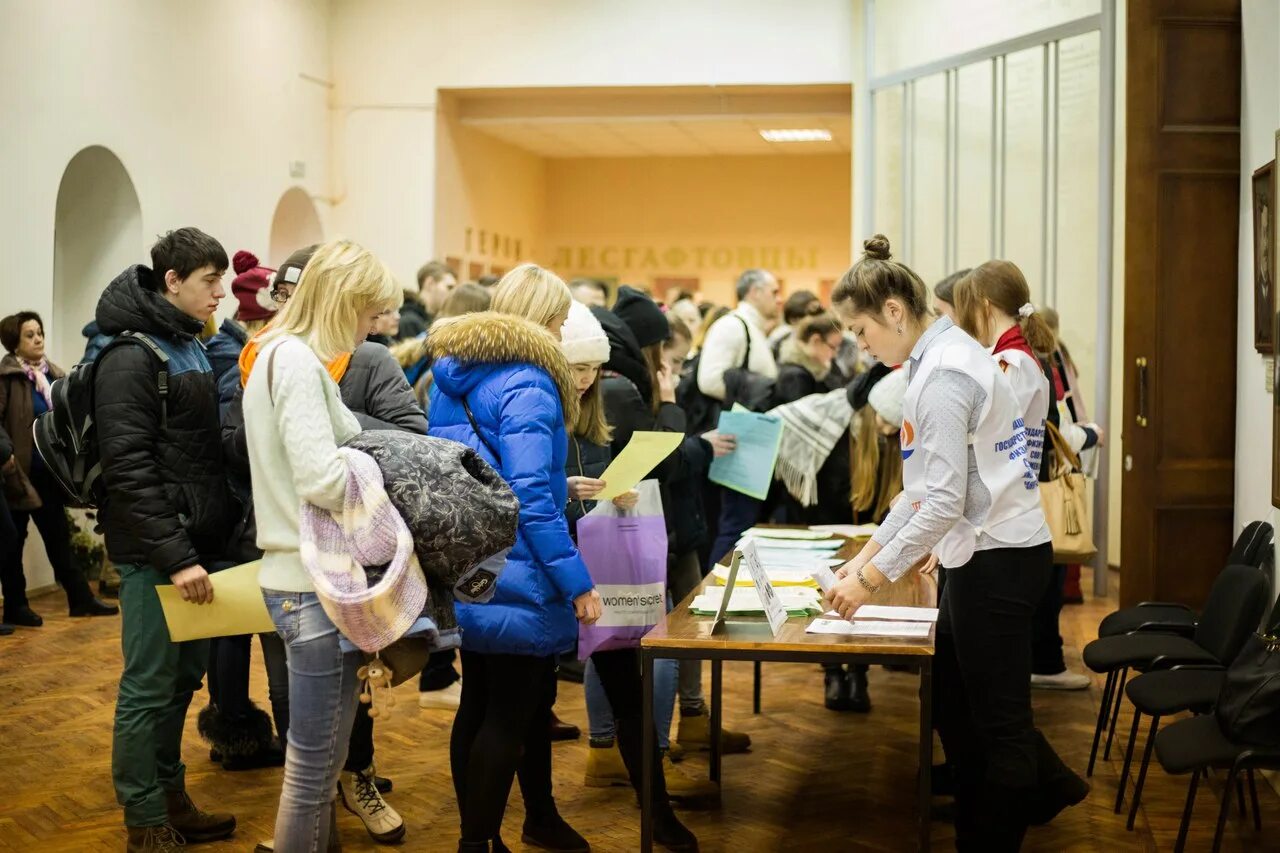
<point x="1181" y="658"/>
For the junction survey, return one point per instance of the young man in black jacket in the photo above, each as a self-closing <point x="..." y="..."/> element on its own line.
<point x="167" y="515"/>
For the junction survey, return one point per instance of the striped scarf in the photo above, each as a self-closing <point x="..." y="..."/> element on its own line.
<point x="337" y="546"/>
<point x="811" y="427"/>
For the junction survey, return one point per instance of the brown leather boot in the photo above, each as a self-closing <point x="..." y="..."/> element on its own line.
<point x="194" y="825"/>
<point x="155" y="839"/>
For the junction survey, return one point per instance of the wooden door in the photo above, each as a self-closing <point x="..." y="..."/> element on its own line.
<point x="1182" y="214"/>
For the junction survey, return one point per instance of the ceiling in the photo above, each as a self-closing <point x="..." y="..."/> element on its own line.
<point x="695" y="121"/>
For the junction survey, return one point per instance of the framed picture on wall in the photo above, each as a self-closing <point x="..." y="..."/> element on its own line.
<point x="1264" y="271"/>
<point x="1275" y="418"/>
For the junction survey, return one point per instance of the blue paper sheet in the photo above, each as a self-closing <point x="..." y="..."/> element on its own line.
<point x="749" y="468"/>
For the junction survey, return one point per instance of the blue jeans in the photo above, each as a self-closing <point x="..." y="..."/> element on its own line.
<point x="600" y="714"/>
<point x="323" y="691"/>
<point x="738" y="514"/>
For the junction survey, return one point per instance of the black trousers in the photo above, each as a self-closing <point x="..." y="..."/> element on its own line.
<point x="1046" y="639"/>
<point x="229" y="661"/>
<point x="51" y="521"/>
<point x="982" y="694"/>
<point x="439" y="672"/>
<point x="503" y="728"/>
<point x="619" y="671"/>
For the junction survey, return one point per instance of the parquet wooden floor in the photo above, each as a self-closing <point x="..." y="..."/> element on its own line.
<point x="814" y="781"/>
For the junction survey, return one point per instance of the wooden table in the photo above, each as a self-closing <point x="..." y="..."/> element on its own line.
<point x="685" y="636"/>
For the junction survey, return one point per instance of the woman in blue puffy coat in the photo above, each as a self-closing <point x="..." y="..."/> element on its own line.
<point x="503" y="387"/>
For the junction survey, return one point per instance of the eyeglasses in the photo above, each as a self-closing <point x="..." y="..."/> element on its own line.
<point x="281" y="293"/>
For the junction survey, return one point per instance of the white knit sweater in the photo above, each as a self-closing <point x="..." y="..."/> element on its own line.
<point x="293" y="453"/>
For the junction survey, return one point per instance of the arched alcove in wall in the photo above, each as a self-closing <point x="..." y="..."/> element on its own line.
<point x="97" y="233"/>
<point x="295" y="224"/>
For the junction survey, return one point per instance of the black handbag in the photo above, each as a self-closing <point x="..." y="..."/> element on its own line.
<point x="1248" y="707"/>
<point x="751" y="390"/>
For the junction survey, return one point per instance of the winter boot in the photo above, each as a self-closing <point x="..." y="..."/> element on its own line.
<point x="194" y="825"/>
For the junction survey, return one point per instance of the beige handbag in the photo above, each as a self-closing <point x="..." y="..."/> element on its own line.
<point x="1065" y="504"/>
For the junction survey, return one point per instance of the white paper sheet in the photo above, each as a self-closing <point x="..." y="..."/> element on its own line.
<point x="870" y="628"/>
<point x="908" y="614"/>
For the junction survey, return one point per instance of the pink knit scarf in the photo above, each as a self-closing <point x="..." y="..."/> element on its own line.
<point x="39" y="374"/>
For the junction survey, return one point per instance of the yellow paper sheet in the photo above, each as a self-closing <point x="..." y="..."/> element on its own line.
<point x="237" y="607"/>
<point x="641" y="455"/>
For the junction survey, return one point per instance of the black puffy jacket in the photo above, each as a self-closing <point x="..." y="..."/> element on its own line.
<point x="373" y="388"/>
<point x="585" y="460"/>
<point x="167" y="503"/>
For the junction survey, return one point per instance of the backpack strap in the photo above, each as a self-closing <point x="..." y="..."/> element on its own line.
<point x="271" y="375"/>
<point x="162" y="376"/>
<point x="466" y="407"/>
<point x="746" y="330"/>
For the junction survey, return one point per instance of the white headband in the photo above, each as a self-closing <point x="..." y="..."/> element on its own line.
<point x="1026" y="310"/>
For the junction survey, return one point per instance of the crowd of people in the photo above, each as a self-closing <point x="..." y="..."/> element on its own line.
<point x="893" y="403"/>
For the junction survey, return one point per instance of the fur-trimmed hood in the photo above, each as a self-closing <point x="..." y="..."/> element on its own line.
<point x="489" y="337"/>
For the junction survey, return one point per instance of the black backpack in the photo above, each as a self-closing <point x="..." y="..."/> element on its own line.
<point x="66" y="437"/>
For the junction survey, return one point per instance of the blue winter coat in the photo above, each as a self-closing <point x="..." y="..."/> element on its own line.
<point x="506" y="377"/>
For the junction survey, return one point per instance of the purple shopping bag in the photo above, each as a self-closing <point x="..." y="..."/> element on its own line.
<point x="626" y="553"/>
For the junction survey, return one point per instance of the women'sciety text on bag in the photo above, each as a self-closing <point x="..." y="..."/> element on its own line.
<point x="626" y="553"/>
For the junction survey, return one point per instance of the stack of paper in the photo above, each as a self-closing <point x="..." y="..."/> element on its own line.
<point x="786" y="533"/>
<point x="778" y="576"/>
<point x="797" y="601"/>
<point x="817" y="545"/>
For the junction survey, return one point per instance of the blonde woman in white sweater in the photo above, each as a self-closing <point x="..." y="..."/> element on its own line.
<point x="294" y="424"/>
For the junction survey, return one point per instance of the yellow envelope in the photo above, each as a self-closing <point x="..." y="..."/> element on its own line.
<point x="237" y="607"/>
<point x="641" y="455"/>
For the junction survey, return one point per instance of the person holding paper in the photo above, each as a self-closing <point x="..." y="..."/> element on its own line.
<point x="639" y="384"/>
<point x="612" y="678"/>
<point x="166" y="515"/>
<point x="739" y="341"/>
<point x="503" y="387"/>
<point x="968" y="500"/>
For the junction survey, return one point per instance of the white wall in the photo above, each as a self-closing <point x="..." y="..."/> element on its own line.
<point x="1260" y="119"/>
<point x="201" y="102"/>
<point x="911" y="32"/>
<point x="390" y="58"/>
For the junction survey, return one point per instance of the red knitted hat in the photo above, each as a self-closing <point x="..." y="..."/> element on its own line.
<point x="252" y="287"/>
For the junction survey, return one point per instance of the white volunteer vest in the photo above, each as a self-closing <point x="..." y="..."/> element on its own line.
<point x="1031" y="390"/>
<point x="999" y="446"/>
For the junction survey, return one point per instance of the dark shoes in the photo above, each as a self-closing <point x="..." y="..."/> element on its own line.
<point x="155" y="839"/>
<point x="942" y="780"/>
<point x="5" y="630"/>
<point x="560" y="730"/>
<point x="847" y="691"/>
<point x="670" y="833"/>
<point x="23" y="617"/>
<point x="95" y="607"/>
<point x="242" y="741"/>
<point x="194" y="825"/>
<point x="553" y="833"/>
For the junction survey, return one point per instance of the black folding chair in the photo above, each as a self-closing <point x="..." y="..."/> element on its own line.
<point x="1234" y="610"/>
<point x="1194" y="745"/>
<point x="1251" y="549"/>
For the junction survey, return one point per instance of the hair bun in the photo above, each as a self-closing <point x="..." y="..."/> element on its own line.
<point x="877" y="248"/>
<point x="243" y="262"/>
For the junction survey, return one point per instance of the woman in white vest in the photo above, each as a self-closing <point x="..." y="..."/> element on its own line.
<point x="993" y="304"/>
<point x="971" y="499"/>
